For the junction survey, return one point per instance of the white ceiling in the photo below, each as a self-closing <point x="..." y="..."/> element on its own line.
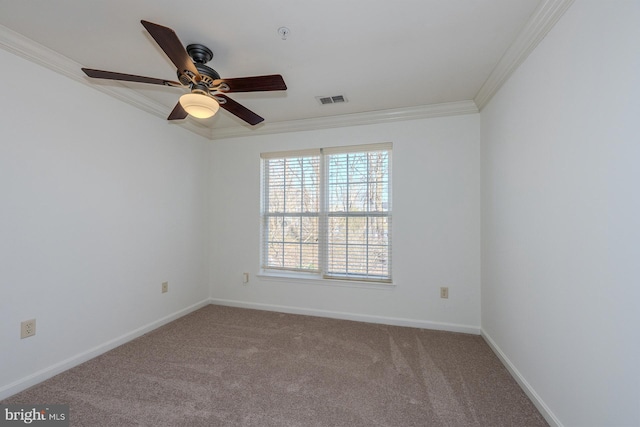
<point x="386" y="57"/>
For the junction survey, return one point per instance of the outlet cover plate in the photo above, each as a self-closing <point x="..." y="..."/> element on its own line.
<point x="28" y="328"/>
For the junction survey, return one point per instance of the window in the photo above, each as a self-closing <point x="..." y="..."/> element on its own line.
<point x="327" y="212"/>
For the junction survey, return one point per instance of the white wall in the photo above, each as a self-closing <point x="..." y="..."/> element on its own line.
<point x="561" y="217"/>
<point x="99" y="204"/>
<point x="436" y="226"/>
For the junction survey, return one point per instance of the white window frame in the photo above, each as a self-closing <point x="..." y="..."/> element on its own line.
<point x="322" y="276"/>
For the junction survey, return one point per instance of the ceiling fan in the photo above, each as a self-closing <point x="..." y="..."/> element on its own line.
<point x="207" y="89"/>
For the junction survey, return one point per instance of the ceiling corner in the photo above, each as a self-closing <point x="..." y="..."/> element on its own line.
<point x="539" y="24"/>
<point x="26" y="48"/>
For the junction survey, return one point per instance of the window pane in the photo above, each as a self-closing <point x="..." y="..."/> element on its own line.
<point x="338" y="197"/>
<point x="357" y="167"/>
<point x="336" y="258"/>
<point x="357" y="230"/>
<point x="275" y="228"/>
<point x="291" y="230"/>
<point x="337" y="232"/>
<point x="357" y="259"/>
<point x="293" y="185"/>
<point x="274" y="170"/>
<point x="309" y="231"/>
<point x="309" y="257"/>
<point x="291" y="255"/>
<point x="378" y="197"/>
<point x="378" y="231"/>
<point x="378" y="260"/>
<point x="275" y="255"/>
<point x="358" y="200"/>
<point x="338" y="166"/>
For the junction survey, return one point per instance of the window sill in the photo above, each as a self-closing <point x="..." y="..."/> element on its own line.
<point x="316" y="279"/>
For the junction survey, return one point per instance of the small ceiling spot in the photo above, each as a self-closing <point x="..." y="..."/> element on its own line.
<point x="335" y="99"/>
<point x="284" y="32"/>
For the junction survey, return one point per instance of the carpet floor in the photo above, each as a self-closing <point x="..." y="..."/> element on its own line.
<point x="224" y="366"/>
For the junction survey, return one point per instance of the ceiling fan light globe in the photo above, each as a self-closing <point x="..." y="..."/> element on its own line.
<point x="198" y="105"/>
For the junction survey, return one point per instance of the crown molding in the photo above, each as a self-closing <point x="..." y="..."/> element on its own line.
<point x="26" y="48"/>
<point x="354" y="119"/>
<point x="539" y="24"/>
<point x="34" y="52"/>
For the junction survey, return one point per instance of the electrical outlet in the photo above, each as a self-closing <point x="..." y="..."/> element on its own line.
<point x="444" y="292"/>
<point x="165" y="287"/>
<point x="245" y="278"/>
<point x="28" y="328"/>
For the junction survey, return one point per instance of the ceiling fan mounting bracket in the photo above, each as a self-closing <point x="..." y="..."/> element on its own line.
<point x="199" y="53"/>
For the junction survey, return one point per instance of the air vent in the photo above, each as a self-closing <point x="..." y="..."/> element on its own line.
<point x="336" y="99"/>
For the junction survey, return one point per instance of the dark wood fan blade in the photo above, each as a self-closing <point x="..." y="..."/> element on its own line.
<point x="178" y="113"/>
<point x="172" y="46"/>
<point x="110" y="75"/>
<point x="253" y="84"/>
<point x="239" y="110"/>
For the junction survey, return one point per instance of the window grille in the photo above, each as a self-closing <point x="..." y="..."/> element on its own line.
<point x="328" y="212"/>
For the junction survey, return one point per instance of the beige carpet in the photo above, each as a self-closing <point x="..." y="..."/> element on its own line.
<point x="222" y="366"/>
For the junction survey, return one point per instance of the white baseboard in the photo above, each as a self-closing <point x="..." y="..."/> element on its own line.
<point x="524" y="384"/>
<point x="395" y="321"/>
<point x="44" y="374"/>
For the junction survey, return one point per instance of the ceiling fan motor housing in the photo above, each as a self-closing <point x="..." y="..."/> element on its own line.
<point x="200" y="54"/>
